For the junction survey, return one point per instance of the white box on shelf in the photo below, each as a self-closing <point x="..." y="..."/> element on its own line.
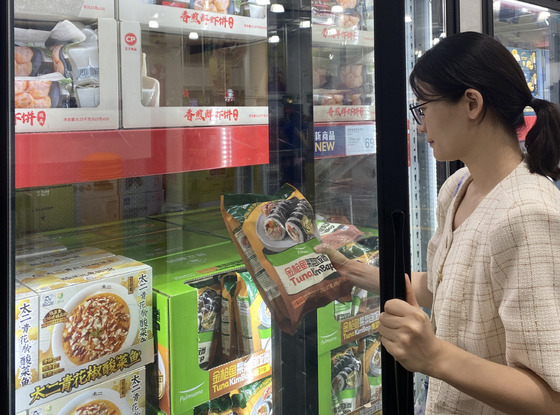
<point x="138" y="113"/>
<point x="181" y="19"/>
<point x="101" y="117"/>
<point x="57" y="9"/>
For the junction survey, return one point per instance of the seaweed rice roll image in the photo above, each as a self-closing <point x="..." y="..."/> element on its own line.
<point x="274" y="223"/>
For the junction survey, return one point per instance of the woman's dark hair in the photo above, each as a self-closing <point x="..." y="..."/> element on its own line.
<point x="478" y="61"/>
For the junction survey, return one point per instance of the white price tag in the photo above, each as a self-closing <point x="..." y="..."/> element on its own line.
<point x="360" y="139"/>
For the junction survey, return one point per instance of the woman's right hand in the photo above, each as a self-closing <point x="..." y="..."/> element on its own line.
<point x="362" y="275"/>
<point x="338" y="259"/>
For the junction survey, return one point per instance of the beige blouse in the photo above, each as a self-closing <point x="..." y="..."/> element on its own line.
<point x="496" y="281"/>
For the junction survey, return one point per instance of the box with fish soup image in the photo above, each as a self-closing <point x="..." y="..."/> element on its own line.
<point x="26" y="340"/>
<point x="95" y="322"/>
<point x="123" y="395"/>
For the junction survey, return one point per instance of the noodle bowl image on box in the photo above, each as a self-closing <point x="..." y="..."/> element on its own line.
<point x="95" y="322"/>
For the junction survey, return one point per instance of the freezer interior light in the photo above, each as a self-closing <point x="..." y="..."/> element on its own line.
<point x="332" y="32"/>
<point x="274" y="39"/>
<point x="277" y="8"/>
<point x="193" y="35"/>
<point x="305" y="24"/>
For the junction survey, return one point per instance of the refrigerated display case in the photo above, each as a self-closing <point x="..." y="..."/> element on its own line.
<point x="128" y="123"/>
<point x="529" y="30"/>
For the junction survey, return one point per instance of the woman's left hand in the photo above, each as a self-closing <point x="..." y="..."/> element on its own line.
<point x="406" y="332"/>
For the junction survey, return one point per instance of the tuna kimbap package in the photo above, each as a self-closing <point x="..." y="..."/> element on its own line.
<point x="275" y="236"/>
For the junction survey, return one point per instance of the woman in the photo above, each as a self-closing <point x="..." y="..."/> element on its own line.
<point x="493" y="281"/>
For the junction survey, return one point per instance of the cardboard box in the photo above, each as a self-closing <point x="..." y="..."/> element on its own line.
<point x="154" y="245"/>
<point x="139" y="185"/>
<point x="125" y="394"/>
<point x="44" y="209"/>
<point x="73" y="356"/>
<point x="140" y="205"/>
<point x="157" y="99"/>
<point x="33" y="245"/>
<point x="97" y="202"/>
<point x="184" y="384"/>
<point x="193" y="189"/>
<point x="168" y="17"/>
<point x="365" y="399"/>
<point x="93" y="234"/>
<point x="102" y="117"/>
<point x="332" y="333"/>
<point x="27" y="336"/>
<point x="57" y="259"/>
<point x="207" y="220"/>
<point x="68" y="9"/>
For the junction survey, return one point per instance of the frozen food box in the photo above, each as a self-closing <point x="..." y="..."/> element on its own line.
<point x="207" y="220"/>
<point x="197" y="188"/>
<point x="27" y="335"/>
<point x="180" y="282"/>
<point x="66" y="77"/>
<point x="95" y="322"/>
<point x="225" y="86"/>
<point x="125" y="394"/>
<point x="97" y="202"/>
<point x="160" y="244"/>
<point x="55" y="9"/>
<point x="349" y="378"/>
<point x="33" y="245"/>
<point x="94" y="234"/>
<point x="177" y="13"/>
<point x="60" y="258"/>
<point x="44" y="209"/>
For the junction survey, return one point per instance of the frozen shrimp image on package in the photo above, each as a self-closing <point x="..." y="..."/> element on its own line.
<point x="275" y="236"/>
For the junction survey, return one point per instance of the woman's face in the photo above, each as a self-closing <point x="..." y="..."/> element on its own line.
<point x="445" y="126"/>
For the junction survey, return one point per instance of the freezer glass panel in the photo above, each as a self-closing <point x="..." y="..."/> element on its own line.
<point x="425" y="25"/>
<point x="530" y="32"/>
<point x="137" y="287"/>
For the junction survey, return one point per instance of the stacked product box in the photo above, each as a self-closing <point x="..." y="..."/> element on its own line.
<point x="160" y="244"/>
<point x="94" y="321"/>
<point x="32" y="245"/>
<point x="83" y="9"/>
<point x="198" y="189"/>
<point x="95" y="234"/>
<point x="220" y="79"/>
<point x="44" y="209"/>
<point x="151" y="101"/>
<point x="125" y="394"/>
<point x="212" y="328"/>
<point x="348" y="343"/>
<point x="26" y="336"/>
<point x="141" y="196"/>
<point x="66" y="78"/>
<point x="206" y="220"/>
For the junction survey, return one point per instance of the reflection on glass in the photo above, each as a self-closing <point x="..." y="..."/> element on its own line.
<point x="530" y="33"/>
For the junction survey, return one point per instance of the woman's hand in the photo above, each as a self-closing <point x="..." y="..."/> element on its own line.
<point x="406" y="332"/>
<point x="338" y="260"/>
<point x="360" y="274"/>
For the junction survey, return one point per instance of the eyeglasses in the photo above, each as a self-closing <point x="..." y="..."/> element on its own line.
<point x="418" y="112"/>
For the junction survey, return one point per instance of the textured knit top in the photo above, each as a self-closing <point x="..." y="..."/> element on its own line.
<point x="496" y="281"/>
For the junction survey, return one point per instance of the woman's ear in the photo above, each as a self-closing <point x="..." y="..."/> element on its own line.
<point x="475" y="103"/>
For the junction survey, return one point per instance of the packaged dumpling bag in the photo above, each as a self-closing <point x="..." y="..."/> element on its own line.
<point x="275" y="236"/>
